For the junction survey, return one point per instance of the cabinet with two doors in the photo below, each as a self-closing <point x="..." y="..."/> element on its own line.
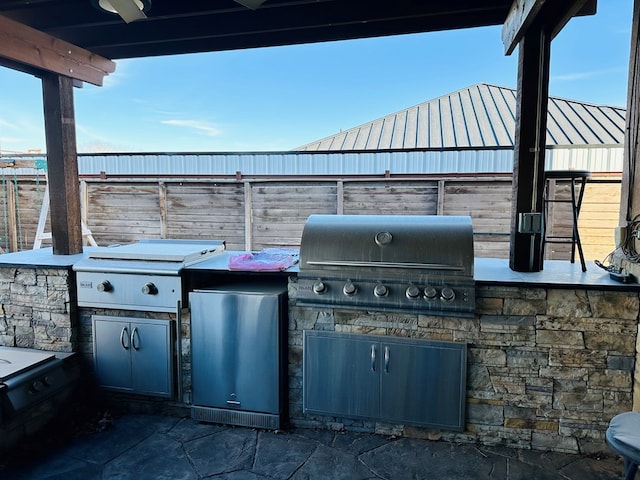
<point x="392" y="379"/>
<point x="133" y="355"/>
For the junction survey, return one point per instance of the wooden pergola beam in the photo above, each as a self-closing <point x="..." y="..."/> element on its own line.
<point x="524" y="12"/>
<point x="532" y="24"/>
<point x="60" y="65"/>
<point x="630" y="197"/>
<point x="33" y="48"/>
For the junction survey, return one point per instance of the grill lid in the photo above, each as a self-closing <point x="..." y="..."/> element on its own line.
<point x="416" y="242"/>
<point x="14" y="361"/>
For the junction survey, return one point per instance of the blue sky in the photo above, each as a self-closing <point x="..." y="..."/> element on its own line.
<point x="283" y="97"/>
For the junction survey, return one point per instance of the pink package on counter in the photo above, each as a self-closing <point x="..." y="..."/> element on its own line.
<point x="267" y="260"/>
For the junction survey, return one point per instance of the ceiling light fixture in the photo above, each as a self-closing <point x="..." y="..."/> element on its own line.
<point x="129" y="10"/>
<point x="252" y="4"/>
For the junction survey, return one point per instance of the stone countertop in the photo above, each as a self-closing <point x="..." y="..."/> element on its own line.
<point x="39" y="258"/>
<point x="220" y="263"/>
<point x="556" y="273"/>
<point x="488" y="271"/>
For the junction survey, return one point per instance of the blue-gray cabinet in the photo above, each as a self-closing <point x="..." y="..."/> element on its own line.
<point x="397" y="380"/>
<point x="133" y="355"/>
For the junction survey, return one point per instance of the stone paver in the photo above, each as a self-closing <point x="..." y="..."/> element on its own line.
<point x="145" y="447"/>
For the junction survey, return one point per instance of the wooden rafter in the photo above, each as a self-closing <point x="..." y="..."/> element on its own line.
<point x="554" y="12"/>
<point x="33" y="48"/>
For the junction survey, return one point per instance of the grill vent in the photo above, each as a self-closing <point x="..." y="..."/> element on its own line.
<point x="238" y="418"/>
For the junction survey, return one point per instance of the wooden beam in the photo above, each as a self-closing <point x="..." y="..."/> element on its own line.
<point x="521" y="15"/>
<point x="554" y="13"/>
<point x="630" y="196"/>
<point x="531" y="125"/>
<point x="36" y="49"/>
<point x="62" y="164"/>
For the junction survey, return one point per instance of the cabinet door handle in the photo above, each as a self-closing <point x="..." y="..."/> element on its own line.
<point x="387" y="354"/>
<point x="123" y="335"/>
<point x="373" y="358"/>
<point x="134" y="335"/>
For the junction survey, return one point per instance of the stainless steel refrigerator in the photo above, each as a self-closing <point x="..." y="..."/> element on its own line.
<point x="238" y="348"/>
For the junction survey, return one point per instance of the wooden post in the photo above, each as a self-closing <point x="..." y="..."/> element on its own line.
<point x="630" y="197"/>
<point x="162" y="200"/>
<point x="441" y="187"/>
<point x="12" y="217"/>
<point x="248" y="217"/>
<point x="531" y="125"/>
<point x="62" y="163"/>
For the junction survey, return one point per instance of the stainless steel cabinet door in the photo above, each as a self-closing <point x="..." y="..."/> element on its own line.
<point x="150" y="360"/>
<point x="341" y="375"/>
<point x="112" y="359"/>
<point x="235" y="349"/>
<point x="423" y="385"/>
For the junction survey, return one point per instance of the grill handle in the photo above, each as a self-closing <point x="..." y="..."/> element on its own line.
<point x="373" y="358"/>
<point x="412" y="265"/>
<point x="124" y="334"/>
<point x="387" y="355"/>
<point x="134" y="335"/>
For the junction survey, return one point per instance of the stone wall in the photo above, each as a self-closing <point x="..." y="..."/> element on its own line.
<point x="38" y="308"/>
<point x="547" y="367"/>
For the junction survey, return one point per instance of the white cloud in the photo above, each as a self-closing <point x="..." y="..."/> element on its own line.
<point x="571" y="77"/>
<point x="204" y="128"/>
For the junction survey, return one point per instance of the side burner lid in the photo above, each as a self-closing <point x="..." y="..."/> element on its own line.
<point x="160" y="250"/>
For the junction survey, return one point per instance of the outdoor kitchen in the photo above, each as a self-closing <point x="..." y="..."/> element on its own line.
<point x="378" y="320"/>
<point x="422" y="340"/>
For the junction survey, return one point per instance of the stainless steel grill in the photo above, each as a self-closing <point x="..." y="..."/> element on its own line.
<point x="389" y="263"/>
<point x="33" y="384"/>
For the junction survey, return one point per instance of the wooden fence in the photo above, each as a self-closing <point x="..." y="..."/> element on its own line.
<point x="254" y="213"/>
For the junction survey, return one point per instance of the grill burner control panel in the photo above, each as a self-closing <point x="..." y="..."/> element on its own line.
<point x="452" y="297"/>
<point x="158" y="293"/>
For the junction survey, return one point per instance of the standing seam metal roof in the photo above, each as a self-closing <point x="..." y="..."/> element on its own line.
<point x="482" y="115"/>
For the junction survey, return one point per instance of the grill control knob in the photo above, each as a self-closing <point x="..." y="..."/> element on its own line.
<point x="447" y="294"/>
<point x="384" y="238"/>
<point x="349" y="289"/>
<point x="319" y="287"/>
<point x="412" y="292"/>
<point x="36" y="387"/>
<point x="149" y="289"/>
<point x="104" y="286"/>
<point x="430" y="293"/>
<point x="380" y="290"/>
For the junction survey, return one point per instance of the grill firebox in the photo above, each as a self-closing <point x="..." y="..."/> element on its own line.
<point x="412" y="263"/>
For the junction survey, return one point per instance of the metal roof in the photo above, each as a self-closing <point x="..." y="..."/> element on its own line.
<point x="478" y="116"/>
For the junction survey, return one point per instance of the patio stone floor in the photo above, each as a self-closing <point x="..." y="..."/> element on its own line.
<point x="141" y="447"/>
